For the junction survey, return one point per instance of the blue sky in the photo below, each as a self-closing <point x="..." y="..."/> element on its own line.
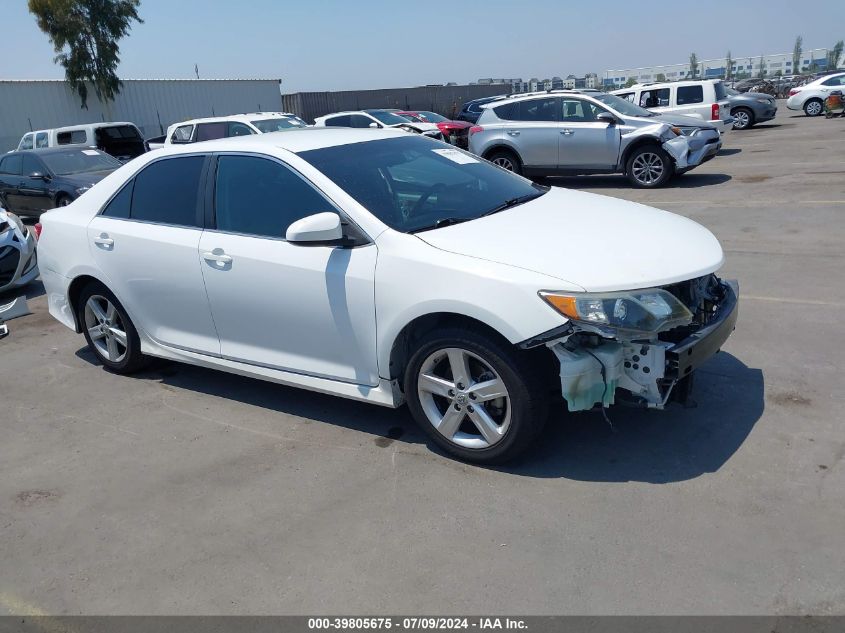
<point x="333" y="45"/>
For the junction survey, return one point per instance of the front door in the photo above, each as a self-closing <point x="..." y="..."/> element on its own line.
<point x="586" y="143"/>
<point x="146" y="242"/>
<point x="34" y="192"/>
<point x="306" y="309"/>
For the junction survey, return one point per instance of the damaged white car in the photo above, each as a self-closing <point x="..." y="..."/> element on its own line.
<point x="388" y="267"/>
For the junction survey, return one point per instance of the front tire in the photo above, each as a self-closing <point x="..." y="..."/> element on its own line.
<point x="649" y="167"/>
<point x="63" y="200"/>
<point x="109" y="331"/>
<point x="813" y="107"/>
<point x="477" y="398"/>
<point x="743" y="118"/>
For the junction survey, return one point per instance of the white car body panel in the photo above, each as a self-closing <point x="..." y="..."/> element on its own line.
<point x="326" y="318"/>
<point x="813" y="90"/>
<point x="646" y="248"/>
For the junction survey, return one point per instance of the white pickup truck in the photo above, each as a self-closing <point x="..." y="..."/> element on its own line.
<point x="704" y="99"/>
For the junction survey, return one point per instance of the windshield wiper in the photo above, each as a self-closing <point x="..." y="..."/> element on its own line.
<point x="512" y="202"/>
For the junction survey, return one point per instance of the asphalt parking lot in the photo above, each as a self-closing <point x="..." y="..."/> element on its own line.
<point x="183" y="490"/>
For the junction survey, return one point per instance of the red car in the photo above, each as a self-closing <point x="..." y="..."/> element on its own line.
<point x="455" y="132"/>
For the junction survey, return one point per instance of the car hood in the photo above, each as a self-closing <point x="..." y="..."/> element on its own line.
<point x="681" y="120"/>
<point x="418" y="125"/>
<point x="595" y="242"/>
<point x="88" y="179"/>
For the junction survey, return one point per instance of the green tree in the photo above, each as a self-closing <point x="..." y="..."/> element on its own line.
<point x="834" y="55"/>
<point x="631" y="82"/>
<point x="693" y="65"/>
<point x="660" y="77"/>
<point x="84" y="34"/>
<point x="796" y="55"/>
<point x="761" y="72"/>
<point x="729" y="62"/>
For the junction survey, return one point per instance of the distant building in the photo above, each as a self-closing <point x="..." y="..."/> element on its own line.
<point x="741" y="67"/>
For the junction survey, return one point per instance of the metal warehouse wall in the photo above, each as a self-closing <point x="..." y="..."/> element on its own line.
<point x="445" y="100"/>
<point x="152" y="104"/>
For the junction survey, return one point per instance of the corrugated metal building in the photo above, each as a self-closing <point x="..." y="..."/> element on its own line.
<point x="445" y="100"/>
<point x="152" y="104"/>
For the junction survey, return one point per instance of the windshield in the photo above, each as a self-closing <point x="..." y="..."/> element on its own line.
<point x="622" y="106"/>
<point x="388" y="118"/>
<point x="79" y="161"/>
<point x="433" y="117"/>
<point x="414" y="183"/>
<point x="278" y="125"/>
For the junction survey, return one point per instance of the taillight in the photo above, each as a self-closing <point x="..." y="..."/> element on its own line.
<point x="476" y="128"/>
<point x="38" y="228"/>
<point x="794" y="92"/>
<point x="714" y="112"/>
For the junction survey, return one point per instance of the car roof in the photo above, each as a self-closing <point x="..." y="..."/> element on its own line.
<point x="295" y="141"/>
<point x="681" y="82"/>
<point x="55" y="150"/>
<point x="243" y="117"/>
<point x="525" y="96"/>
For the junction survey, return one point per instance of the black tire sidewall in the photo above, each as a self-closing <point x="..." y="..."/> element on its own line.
<point x="809" y="101"/>
<point x="134" y="359"/>
<point x="668" y="172"/>
<point x="528" y="400"/>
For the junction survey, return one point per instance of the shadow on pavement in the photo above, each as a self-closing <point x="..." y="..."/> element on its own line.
<point x="686" y="181"/>
<point x="729" y="151"/>
<point x="676" y="444"/>
<point x="649" y="446"/>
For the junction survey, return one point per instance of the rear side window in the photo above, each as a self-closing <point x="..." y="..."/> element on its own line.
<point x="257" y="196"/>
<point x="211" y="131"/>
<point x="182" y="134"/>
<point x="834" y="81"/>
<point x="690" y="94"/>
<point x="73" y="137"/>
<point x="507" y="112"/>
<point x="360" y="121"/>
<point x="121" y="205"/>
<point x="538" y="110"/>
<point x="11" y="165"/>
<point x="339" y="121"/>
<point x="167" y="191"/>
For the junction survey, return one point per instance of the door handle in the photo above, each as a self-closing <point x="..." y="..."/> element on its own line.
<point x="217" y="256"/>
<point x="513" y="132"/>
<point x="567" y="132"/>
<point x="104" y="240"/>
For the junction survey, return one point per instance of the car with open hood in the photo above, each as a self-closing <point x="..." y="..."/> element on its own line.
<point x="389" y="267"/>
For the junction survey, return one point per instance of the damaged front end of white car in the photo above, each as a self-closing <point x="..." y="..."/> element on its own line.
<point x="638" y="347"/>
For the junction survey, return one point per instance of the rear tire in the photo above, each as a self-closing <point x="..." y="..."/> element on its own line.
<point x="813" y="107"/>
<point x="109" y="331"/>
<point x="507" y="160"/>
<point x="486" y="410"/>
<point x="63" y="200"/>
<point x="649" y="167"/>
<point x="744" y="118"/>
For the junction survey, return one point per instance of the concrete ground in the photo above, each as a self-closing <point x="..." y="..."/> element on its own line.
<point x="186" y="491"/>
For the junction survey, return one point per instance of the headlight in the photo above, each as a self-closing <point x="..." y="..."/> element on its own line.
<point x="762" y="100"/>
<point x="647" y="311"/>
<point x="688" y="131"/>
<point x="81" y="190"/>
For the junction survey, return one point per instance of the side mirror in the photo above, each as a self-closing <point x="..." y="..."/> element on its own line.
<point x="374" y="125"/>
<point x="316" y="230"/>
<point x="606" y="117"/>
<point x="37" y="175"/>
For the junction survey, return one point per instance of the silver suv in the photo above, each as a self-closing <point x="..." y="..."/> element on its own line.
<point x="568" y="132"/>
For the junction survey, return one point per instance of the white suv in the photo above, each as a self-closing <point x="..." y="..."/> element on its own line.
<point x="209" y="129"/>
<point x="810" y="98"/>
<point x="704" y="99"/>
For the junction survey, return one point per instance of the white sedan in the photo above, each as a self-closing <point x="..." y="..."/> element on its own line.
<point x="810" y="97"/>
<point x="389" y="267"/>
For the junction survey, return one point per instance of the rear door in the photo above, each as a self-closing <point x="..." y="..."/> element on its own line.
<point x="146" y="242"/>
<point x="533" y="130"/>
<point x="10" y="180"/>
<point x="586" y="143"/>
<point x="690" y="102"/>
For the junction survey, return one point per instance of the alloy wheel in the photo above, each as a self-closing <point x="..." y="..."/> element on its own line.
<point x="814" y="108"/>
<point x="464" y="398"/>
<point x="648" y="168"/>
<point x="105" y="328"/>
<point x="742" y="120"/>
<point x="504" y="162"/>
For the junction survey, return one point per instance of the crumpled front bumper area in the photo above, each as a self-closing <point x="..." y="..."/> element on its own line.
<point x="18" y="265"/>
<point x="597" y="369"/>
<point x="690" y="151"/>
